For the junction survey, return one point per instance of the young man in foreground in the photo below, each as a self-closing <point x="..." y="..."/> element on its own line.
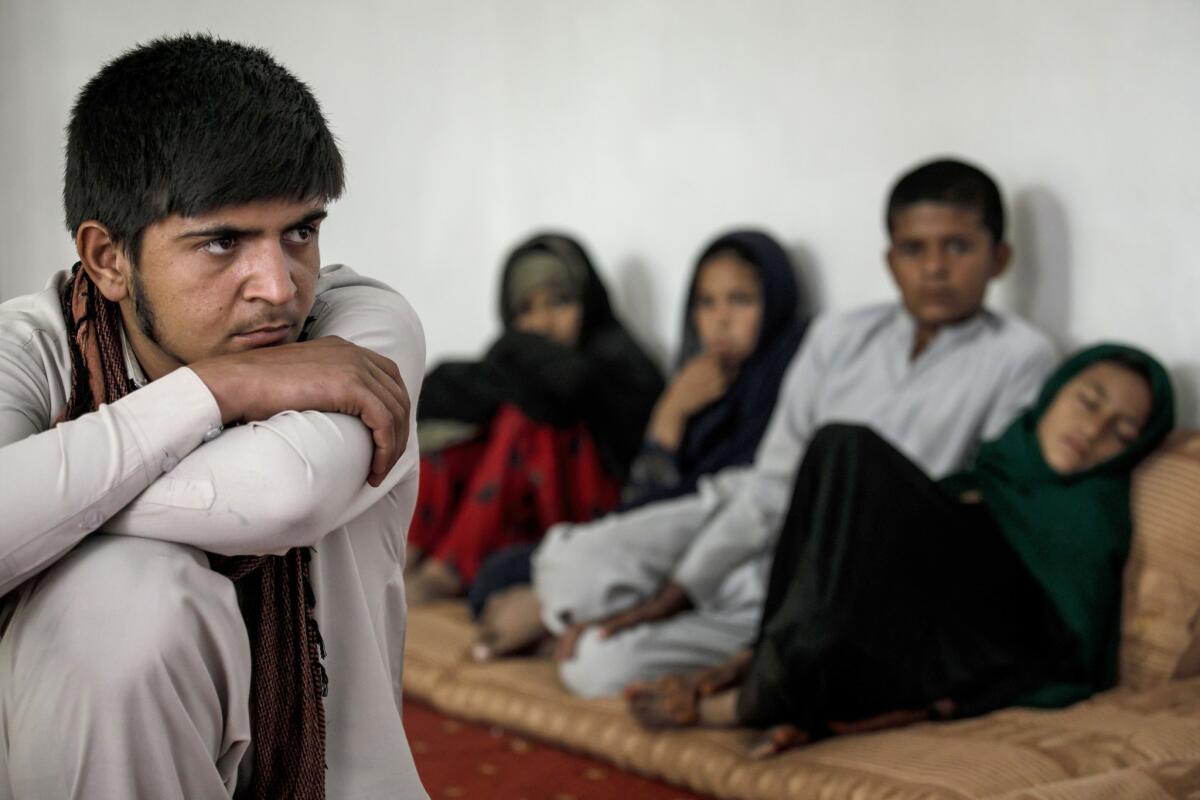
<point x="680" y="585"/>
<point x="208" y="467"/>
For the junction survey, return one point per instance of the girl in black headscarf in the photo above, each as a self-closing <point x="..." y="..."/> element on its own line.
<point x="542" y="430"/>
<point x="742" y="325"/>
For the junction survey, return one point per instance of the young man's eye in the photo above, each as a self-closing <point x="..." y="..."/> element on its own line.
<point x="300" y="234"/>
<point x="910" y="249"/>
<point x="219" y="247"/>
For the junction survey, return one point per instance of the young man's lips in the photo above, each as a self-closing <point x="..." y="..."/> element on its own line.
<point x="266" y="335"/>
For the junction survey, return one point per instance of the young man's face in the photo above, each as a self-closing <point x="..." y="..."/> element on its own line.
<point x="942" y="257"/>
<point x="226" y="281"/>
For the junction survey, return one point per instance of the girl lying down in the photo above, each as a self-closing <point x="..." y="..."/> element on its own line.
<point x="894" y="598"/>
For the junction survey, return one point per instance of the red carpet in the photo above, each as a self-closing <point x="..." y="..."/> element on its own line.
<point x="461" y="760"/>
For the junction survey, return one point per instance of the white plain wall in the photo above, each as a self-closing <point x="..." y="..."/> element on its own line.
<point x="648" y="125"/>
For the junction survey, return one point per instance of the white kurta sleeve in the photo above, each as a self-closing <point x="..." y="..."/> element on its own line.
<point x="1018" y="388"/>
<point x="288" y="481"/>
<point x="59" y="485"/>
<point x="749" y="524"/>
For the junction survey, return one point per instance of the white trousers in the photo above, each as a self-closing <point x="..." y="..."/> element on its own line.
<point x="124" y="673"/>
<point x="585" y="572"/>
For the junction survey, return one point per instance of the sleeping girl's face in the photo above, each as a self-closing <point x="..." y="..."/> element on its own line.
<point x="727" y="308"/>
<point x="549" y="312"/>
<point x="1094" y="416"/>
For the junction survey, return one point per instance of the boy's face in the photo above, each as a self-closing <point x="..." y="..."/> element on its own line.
<point x="942" y="257"/>
<point x="226" y="281"/>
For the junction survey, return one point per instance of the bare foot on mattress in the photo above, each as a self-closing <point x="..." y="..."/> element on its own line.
<point x="432" y="580"/>
<point x="677" y="700"/>
<point x="672" y="702"/>
<point x="778" y="739"/>
<point x="511" y="624"/>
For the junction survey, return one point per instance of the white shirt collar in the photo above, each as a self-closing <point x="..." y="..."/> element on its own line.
<point x="132" y="368"/>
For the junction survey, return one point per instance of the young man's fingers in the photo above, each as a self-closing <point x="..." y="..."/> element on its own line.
<point x="380" y="418"/>
<point x="386" y="412"/>
<point x="396" y="397"/>
<point x="397" y="400"/>
<point x="387" y="365"/>
<point x="389" y="375"/>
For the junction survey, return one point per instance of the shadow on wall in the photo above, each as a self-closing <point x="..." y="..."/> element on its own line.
<point x="1042" y="240"/>
<point x="1186" y="375"/>
<point x="808" y="279"/>
<point x="637" y="306"/>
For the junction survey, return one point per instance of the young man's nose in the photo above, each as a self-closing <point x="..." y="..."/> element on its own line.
<point x="271" y="276"/>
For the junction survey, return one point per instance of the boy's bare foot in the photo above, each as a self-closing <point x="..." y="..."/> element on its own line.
<point x="672" y="702"/>
<point x="511" y="623"/>
<point x="432" y="580"/>
<point x="676" y="701"/>
<point x="413" y="558"/>
<point x="785" y="737"/>
<point x="778" y="739"/>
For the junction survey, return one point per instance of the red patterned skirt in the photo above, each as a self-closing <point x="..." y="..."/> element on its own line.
<point x="507" y="487"/>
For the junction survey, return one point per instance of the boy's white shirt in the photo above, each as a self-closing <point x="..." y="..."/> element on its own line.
<point x="967" y="386"/>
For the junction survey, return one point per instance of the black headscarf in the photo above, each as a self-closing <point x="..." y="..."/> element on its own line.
<point x="606" y="381"/>
<point x="727" y="432"/>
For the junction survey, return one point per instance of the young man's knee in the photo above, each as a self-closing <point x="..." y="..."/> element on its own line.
<point x="125" y="611"/>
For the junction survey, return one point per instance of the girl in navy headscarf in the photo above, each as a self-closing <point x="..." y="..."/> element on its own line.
<point x="742" y="325"/>
<point x="741" y="328"/>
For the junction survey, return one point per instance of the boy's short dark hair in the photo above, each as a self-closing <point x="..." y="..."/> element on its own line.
<point x="188" y="124"/>
<point x="954" y="183"/>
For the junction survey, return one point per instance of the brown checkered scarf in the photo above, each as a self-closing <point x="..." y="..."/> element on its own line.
<point x="288" y="679"/>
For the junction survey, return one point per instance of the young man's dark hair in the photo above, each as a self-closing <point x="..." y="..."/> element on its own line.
<point x="953" y="183"/>
<point x="219" y="124"/>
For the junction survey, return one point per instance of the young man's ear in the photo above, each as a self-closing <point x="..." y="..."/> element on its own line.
<point x="104" y="259"/>
<point x="1001" y="256"/>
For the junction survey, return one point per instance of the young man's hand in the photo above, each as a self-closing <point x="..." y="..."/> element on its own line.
<point x="326" y="374"/>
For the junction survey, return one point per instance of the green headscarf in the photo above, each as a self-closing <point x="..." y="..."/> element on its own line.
<point x="1072" y="531"/>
